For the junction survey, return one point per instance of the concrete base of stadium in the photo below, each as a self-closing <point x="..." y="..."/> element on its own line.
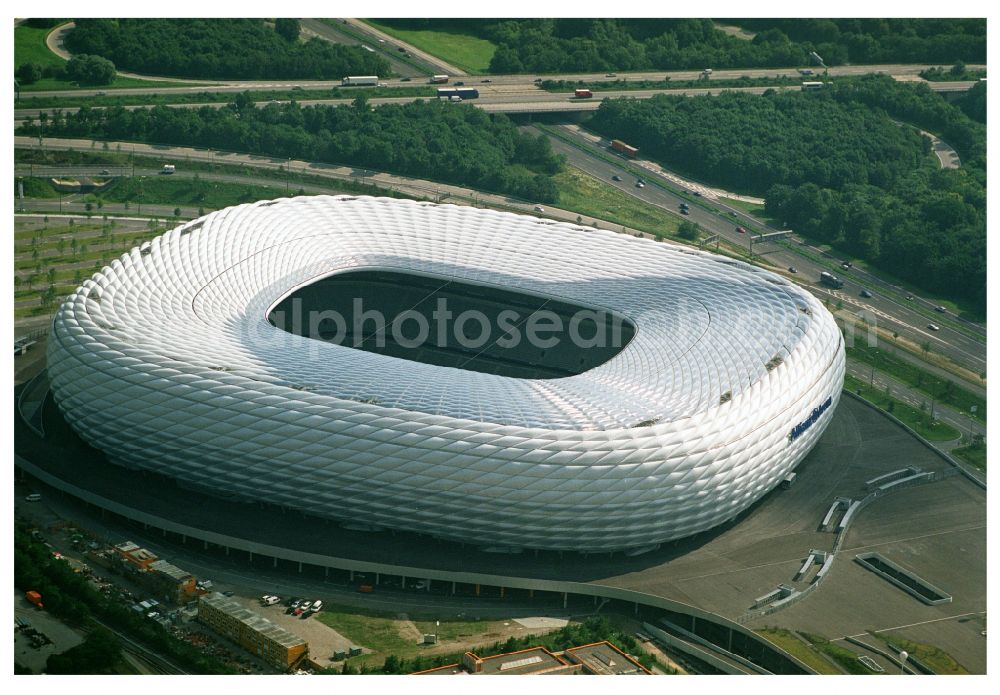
<point x="707" y="583"/>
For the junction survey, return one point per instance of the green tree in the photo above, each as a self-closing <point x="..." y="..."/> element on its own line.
<point x="688" y="230"/>
<point x="90" y="69"/>
<point x="29" y="73"/>
<point x="288" y="29"/>
<point x="100" y="653"/>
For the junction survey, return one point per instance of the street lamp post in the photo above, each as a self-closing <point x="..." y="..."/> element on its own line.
<point x="903" y="656"/>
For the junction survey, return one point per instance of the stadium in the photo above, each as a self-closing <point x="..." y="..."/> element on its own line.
<point x="490" y="378"/>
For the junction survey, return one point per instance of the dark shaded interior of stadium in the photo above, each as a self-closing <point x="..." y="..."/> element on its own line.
<point x="423" y="318"/>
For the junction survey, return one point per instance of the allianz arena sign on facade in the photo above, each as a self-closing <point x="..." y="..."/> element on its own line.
<point x="652" y="391"/>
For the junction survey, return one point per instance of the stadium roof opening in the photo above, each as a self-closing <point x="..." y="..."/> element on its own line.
<point x="446" y="322"/>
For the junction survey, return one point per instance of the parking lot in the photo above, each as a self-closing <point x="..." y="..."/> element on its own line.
<point x="323" y="640"/>
<point x="62" y="637"/>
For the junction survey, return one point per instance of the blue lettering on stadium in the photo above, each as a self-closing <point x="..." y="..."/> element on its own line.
<point x="800" y="428"/>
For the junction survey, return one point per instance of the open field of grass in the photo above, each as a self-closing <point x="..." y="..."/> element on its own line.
<point x="582" y="193"/>
<point x="938" y="660"/>
<point x="754" y="209"/>
<point x="805" y="653"/>
<point x="920" y="422"/>
<point x="383" y="633"/>
<point x="470" y="53"/>
<point x="29" y="47"/>
<point x="933" y="386"/>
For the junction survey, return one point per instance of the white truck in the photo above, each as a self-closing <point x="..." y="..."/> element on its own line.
<point x="366" y="80"/>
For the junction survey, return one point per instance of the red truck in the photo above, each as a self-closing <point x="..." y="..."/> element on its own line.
<point x="583" y="94"/>
<point x="626" y="150"/>
<point x="35" y="598"/>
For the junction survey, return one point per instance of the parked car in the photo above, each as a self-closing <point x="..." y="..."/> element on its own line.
<point x="933" y="327"/>
<point x="616" y="177"/>
<point x="866" y="294"/>
<point x="685" y="211"/>
<point x="228" y="593"/>
<point x="317" y="606"/>
<point x="791" y="269"/>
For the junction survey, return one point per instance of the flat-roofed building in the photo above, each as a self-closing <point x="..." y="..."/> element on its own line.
<point x="137" y="557"/>
<point x="604" y="659"/>
<point x="256" y="634"/>
<point x="171" y="581"/>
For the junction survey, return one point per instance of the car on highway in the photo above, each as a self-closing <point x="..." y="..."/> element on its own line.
<point x="487" y="81"/>
<point x="846" y="265"/>
<point x="909" y="297"/>
<point x="104" y="172"/>
<point x="616" y="177"/>
<point x="460" y="84"/>
<point x="404" y="79"/>
<point x="640" y="184"/>
<point x="866" y="294"/>
<point x="34" y="497"/>
<point x="685" y="211"/>
<point x="741" y="230"/>
<point x="933" y="327"/>
<point x="228" y="593"/>
<point x="696" y="194"/>
<point x="611" y="74"/>
<point x="400" y="49"/>
<point x="940" y="309"/>
<point x="539" y="208"/>
<point x="791" y="269"/>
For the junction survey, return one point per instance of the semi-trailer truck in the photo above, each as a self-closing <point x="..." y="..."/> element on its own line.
<point x="460" y="92"/>
<point x="369" y="80"/>
<point x="626" y="150"/>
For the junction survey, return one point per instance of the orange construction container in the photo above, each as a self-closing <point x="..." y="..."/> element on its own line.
<point x="35" y="598"/>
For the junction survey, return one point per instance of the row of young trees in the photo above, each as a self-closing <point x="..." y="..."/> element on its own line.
<point x="834" y="166"/>
<point x="429" y="139"/>
<point x="219" y="48"/>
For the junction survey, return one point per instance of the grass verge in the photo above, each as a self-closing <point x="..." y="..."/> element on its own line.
<point x="943" y="390"/>
<point x="918" y="421"/>
<point x="587" y="195"/>
<point x="807" y="654"/>
<point x="223" y="97"/>
<point x="938" y="660"/>
<point x="621" y="84"/>
<point x="974" y="455"/>
<point x="847" y="659"/>
<point x="470" y="53"/>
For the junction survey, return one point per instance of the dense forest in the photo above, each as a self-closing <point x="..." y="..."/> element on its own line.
<point x="219" y="48"/>
<point x="575" y="45"/>
<point x="447" y="142"/>
<point x="749" y="143"/>
<point x="834" y="166"/>
<point x="875" y="40"/>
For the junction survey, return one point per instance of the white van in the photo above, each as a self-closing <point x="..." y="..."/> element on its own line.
<point x="34" y="497"/>
<point x="269" y="600"/>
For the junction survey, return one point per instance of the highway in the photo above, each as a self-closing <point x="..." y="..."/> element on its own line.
<point x="907" y="317"/>
<point x="518" y="81"/>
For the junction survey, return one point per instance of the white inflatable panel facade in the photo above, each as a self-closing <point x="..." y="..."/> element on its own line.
<point x="165" y="360"/>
